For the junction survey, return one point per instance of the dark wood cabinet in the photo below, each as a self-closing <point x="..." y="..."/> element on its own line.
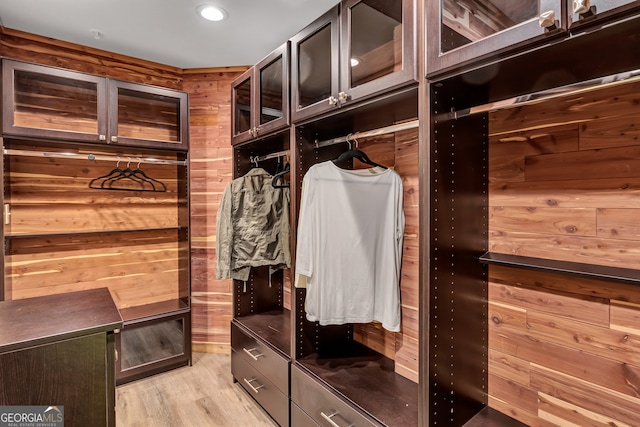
<point x="41" y="101"/>
<point x="47" y="102"/>
<point x="340" y="59"/>
<point x="147" y="116"/>
<point x="260" y="97"/>
<point x="529" y="140"/>
<point x="62" y="353"/>
<point x="261" y="325"/>
<point x="472" y="32"/>
<point x="262" y="370"/>
<point x="465" y="31"/>
<point x="82" y="210"/>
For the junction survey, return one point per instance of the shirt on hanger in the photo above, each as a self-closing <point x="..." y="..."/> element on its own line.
<point x="252" y="226"/>
<point x="349" y="245"/>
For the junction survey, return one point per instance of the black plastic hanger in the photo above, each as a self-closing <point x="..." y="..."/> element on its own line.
<point x="106" y="182"/>
<point x="277" y="175"/>
<point x="359" y="155"/>
<point x="98" y="183"/>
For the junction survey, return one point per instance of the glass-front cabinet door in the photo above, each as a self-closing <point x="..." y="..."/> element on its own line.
<point x="377" y="50"/>
<point x="356" y="50"/>
<point x="145" y="115"/>
<point x="241" y="107"/>
<point x="48" y="102"/>
<point x="315" y="73"/>
<point x="589" y="12"/>
<point x="260" y="97"/>
<point x="463" y="31"/>
<point x="272" y="87"/>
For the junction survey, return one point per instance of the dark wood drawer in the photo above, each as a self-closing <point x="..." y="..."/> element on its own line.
<point x="261" y="389"/>
<point x="322" y="405"/>
<point x="300" y="419"/>
<point x="261" y="357"/>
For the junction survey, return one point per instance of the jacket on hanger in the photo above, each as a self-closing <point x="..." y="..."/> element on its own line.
<point x="252" y="226"/>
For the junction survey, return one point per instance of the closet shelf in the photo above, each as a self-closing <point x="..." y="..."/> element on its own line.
<point x="589" y="271"/>
<point x="366" y="378"/>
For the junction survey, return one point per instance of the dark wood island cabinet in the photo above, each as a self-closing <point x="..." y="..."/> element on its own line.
<point x="59" y="350"/>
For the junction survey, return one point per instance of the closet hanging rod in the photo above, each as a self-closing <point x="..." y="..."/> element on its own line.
<point x="257" y="159"/>
<point x="369" y="133"/>
<point x="544" y="95"/>
<point x="62" y="155"/>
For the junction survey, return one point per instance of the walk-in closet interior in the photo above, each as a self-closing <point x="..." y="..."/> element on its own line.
<point x="511" y="129"/>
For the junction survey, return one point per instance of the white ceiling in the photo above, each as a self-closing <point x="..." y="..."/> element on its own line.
<point x="168" y="31"/>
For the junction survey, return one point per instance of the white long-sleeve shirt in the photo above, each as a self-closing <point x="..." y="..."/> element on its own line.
<point x="349" y="245"/>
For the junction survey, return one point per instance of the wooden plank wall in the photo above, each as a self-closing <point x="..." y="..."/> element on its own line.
<point x="211" y="170"/>
<point x="564" y="184"/>
<point x="47" y="51"/>
<point x="402" y="346"/>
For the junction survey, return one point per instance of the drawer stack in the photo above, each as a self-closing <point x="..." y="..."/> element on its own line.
<point x="262" y="371"/>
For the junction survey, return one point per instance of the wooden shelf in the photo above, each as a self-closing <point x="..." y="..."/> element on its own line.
<point x="367" y="379"/>
<point x="589" y="271"/>
<point x="489" y="417"/>
<point x="274" y="327"/>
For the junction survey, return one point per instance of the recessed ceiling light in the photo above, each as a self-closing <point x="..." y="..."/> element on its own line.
<point x="355" y="61"/>
<point x="96" y="34"/>
<point x="211" y="13"/>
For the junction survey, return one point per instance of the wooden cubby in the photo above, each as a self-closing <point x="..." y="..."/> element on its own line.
<point x="65" y="230"/>
<point x="532" y="236"/>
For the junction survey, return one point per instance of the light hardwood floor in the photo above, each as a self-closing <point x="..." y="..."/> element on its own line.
<point x="200" y="395"/>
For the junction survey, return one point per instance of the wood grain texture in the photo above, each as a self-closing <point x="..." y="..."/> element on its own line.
<point x="47" y="51"/>
<point x="400" y="151"/>
<point x="565" y="350"/>
<point x="211" y="170"/>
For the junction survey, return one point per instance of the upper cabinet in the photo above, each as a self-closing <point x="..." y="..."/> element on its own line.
<point x="260" y="97"/>
<point x="356" y="50"/>
<point x="143" y="115"/>
<point x="465" y="30"/>
<point x="46" y="102"/>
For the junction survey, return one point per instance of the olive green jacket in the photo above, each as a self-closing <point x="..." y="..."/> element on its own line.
<point x="252" y="226"/>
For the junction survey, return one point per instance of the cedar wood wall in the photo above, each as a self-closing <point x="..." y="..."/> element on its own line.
<point x="564" y="184"/>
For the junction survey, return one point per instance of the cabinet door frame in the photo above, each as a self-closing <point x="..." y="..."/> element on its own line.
<point x="604" y="10"/>
<point x="388" y="82"/>
<point x="283" y="122"/>
<point x="9" y="68"/>
<point x="237" y="138"/>
<point x="183" y="116"/>
<point x="329" y="18"/>
<point x="522" y="36"/>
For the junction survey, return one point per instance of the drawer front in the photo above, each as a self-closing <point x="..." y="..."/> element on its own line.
<point x="261" y="389"/>
<point x="300" y="419"/>
<point x="262" y="358"/>
<point x="324" y="407"/>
